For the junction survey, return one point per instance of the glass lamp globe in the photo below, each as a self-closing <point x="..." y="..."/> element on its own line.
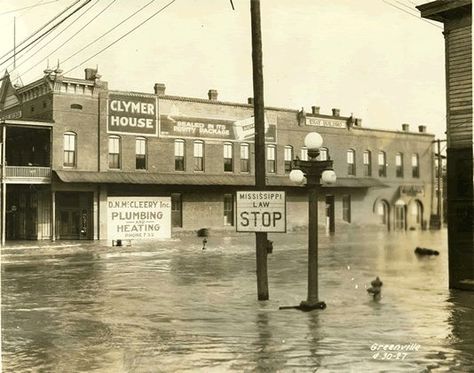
<point x="328" y="177"/>
<point x="297" y="176"/>
<point x="313" y="140"/>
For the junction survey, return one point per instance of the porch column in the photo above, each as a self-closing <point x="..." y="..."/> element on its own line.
<point x="4" y="188"/>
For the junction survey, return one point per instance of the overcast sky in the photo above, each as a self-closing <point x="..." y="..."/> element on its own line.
<point x="363" y="57"/>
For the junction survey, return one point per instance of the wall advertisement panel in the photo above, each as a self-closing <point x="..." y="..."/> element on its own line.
<point x="138" y="218"/>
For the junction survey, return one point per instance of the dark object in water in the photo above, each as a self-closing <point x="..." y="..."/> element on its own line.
<point x="204" y="242"/>
<point x="269" y="246"/>
<point x="203" y="232"/>
<point x="424" y="251"/>
<point x="376" y="287"/>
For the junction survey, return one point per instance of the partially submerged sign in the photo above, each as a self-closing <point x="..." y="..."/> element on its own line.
<point x="261" y="211"/>
<point x="138" y="218"/>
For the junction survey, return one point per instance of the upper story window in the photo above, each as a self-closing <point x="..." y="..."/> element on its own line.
<point x="304" y="153"/>
<point x="244" y="158"/>
<point x="415" y="165"/>
<point x="382" y="160"/>
<point x="198" y="151"/>
<point x="288" y="158"/>
<point x="179" y="155"/>
<point x="367" y="163"/>
<point x="351" y="167"/>
<point x="228" y="159"/>
<point x="140" y="153"/>
<point x="271" y="159"/>
<point x="399" y="165"/>
<point x="69" y="149"/>
<point x="323" y="154"/>
<point x="114" y="152"/>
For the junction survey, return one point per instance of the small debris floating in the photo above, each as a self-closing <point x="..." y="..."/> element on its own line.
<point x="425" y="251"/>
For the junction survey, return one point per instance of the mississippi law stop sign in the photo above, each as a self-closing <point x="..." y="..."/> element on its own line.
<point x="261" y="211"/>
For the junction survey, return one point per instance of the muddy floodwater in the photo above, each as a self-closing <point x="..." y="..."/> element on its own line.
<point x="169" y="306"/>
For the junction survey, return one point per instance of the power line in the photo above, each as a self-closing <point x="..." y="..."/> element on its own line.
<point x="413" y="15"/>
<point x="59" y="34"/>
<point x="28" y="7"/>
<point x="42" y="27"/>
<point x="67" y="40"/>
<point x="52" y="28"/>
<point x="108" y="32"/>
<point x="124" y="35"/>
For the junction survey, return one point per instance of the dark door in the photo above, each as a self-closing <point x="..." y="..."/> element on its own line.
<point x="330" y="222"/>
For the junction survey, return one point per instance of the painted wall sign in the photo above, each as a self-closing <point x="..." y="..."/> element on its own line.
<point x="132" y="115"/>
<point x="263" y="211"/>
<point x="13" y="115"/>
<point x="138" y="218"/>
<point x="205" y="128"/>
<point x="324" y="122"/>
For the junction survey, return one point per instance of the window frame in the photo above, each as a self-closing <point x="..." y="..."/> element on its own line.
<point x="399" y="164"/>
<point x="179" y="154"/>
<point x="288" y="158"/>
<point x="245" y="157"/>
<point x="350" y="158"/>
<point x="141" y="156"/>
<point x="382" y="167"/>
<point x="198" y="163"/>
<point x="69" y="152"/>
<point x="228" y="162"/>
<point x="115" y="156"/>
<point x="270" y="163"/>
<point x="415" y="168"/>
<point x="367" y="160"/>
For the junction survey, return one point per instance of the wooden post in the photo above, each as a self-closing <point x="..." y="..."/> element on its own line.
<point x="53" y="216"/>
<point x="4" y="188"/>
<point x="259" y="115"/>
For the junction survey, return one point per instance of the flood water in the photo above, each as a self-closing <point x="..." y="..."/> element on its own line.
<point x="169" y="306"/>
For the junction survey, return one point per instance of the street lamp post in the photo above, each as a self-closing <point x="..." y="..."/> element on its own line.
<point x="314" y="171"/>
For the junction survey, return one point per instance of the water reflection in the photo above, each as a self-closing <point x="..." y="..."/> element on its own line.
<point x="169" y="306"/>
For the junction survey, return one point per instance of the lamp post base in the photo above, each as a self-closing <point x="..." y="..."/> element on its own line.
<point x="309" y="306"/>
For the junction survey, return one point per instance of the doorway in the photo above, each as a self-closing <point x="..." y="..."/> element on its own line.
<point x="74" y="215"/>
<point x="330" y="221"/>
<point x="400" y="216"/>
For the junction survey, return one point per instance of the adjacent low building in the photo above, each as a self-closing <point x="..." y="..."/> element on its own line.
<point x="70" y="144"/>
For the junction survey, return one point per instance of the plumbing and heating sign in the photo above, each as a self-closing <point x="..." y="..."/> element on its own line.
<point x="132" y="115"/>
<point x="261" y="211"/>
<point x="138" y="218"/>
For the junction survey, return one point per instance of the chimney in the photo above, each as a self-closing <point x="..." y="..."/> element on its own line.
<point x="405" y="127"/>
<point x="212" y="95"/>
<point x="422" y="129"/>
<point x="315" y="109"/>
<point x="336" y="112"/>
<point x="358" y="122"/>
<point x="90" y="73"/>
<point x="160" y="89"/>
<point x="250" y="100"/>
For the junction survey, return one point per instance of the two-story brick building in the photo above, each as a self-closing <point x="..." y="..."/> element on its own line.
<point x="69" y="144"/>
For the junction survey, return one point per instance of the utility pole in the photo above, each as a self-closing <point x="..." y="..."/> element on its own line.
<point x="439" y="181"/>
<point x="259" y="116"/>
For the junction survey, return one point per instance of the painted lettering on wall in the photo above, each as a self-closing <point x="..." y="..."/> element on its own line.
<point x="132" y="115"/>
<point x="323" y="122"/>
<point x="138" y="218"/>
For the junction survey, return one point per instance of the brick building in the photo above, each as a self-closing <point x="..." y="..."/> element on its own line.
<point x="70" y="144"/>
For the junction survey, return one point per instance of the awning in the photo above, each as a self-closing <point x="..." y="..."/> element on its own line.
<point x="357" y="182"/>
<point x="113" y="177"/>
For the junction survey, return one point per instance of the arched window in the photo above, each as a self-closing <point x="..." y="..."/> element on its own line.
<point x="351" y="167"/>
<point x="179" y="154"/>
<point x="382" y="160"/>
<point x="114" y="152"/>
<point x="323" y="154"/>
<point x="288" y="158"/>
<point x="399" y="165"/>
<point x="271" y="159"/>
<point x="415" y="166"/>
<point x="228" y="159"/>
<point x="70" y="149"/>
<point x="140" y="153"/>
<point x="198" y="150"/>
<point x="367" y="163"/>
<point x="244" y="158"/>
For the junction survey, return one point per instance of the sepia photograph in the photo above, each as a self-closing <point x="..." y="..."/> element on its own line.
<point x="236" y="186"/>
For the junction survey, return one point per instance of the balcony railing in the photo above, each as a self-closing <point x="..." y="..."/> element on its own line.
<point x="28" y="174"/>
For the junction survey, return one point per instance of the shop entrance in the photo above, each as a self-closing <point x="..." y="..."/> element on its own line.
<point x="21" y="212"/>
<point x="74" y="216"/>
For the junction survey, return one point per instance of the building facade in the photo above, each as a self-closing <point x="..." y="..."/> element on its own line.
<point x="456" y="16"/>
<point x="71" y="144"/>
